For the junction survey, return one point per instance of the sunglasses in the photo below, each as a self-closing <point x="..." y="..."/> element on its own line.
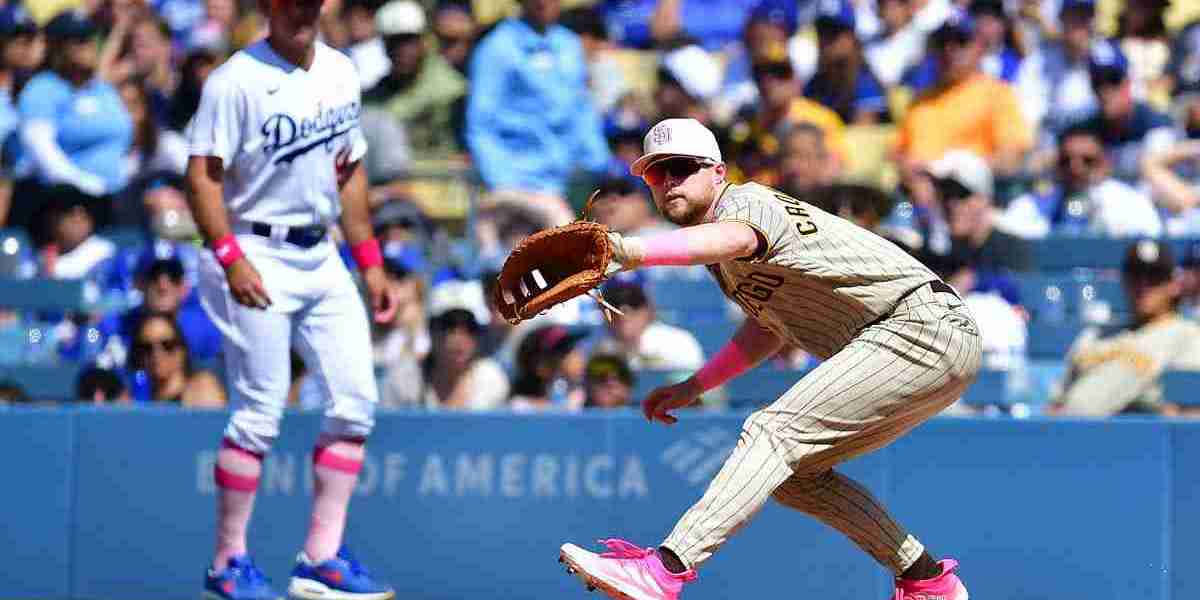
<point x="1102" y="78"/>
<point x="943" y="39"/>
<point x="166" y="345"/>
<point x="951" y="190"/>
<point x="679" y="167"/>
<point x="453" y="40"/>
<point x="1089" y="160"/>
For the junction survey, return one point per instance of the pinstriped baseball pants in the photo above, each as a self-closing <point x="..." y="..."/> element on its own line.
<point x="895" y="374"/>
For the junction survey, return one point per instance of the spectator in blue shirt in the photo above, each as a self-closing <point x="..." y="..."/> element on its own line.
<point x="75" y="130"/>
<point x="530" y="120"/>
<point x="1128" y="128"/>
<point x="1184" y="67"/>
<point x="163" y="281"/>
<point x="843" y="81"/>
<point x="1062" y="89"/>
<point x="713" y="23"/>
<point x="21" y="50"/>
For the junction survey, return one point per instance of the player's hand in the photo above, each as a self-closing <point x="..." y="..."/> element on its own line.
<point x="246" y="286"/>
<point x="657" y="406"/>
<point x="385" y="299"/>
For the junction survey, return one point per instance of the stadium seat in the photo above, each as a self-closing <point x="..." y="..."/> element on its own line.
<point x="1062" y="253"/>
<point x="1055" y="298"/>
<point x="125" y="238"/>
<point x="687" y="302"/>
<point x="44" y="382"/>
<point x="1182" y="387"/>
<point x="1051" y="342"/>
<point x="49" y="294"/>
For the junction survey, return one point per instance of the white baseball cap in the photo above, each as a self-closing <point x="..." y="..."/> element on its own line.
<point x="676" y="137"/>
<point x="965" y="167"/>
<point x="400" y="17"/>
<point x="696" y="71"/>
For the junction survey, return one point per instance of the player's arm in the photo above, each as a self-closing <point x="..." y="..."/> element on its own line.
<point x="749" y="346"/>
<point x="205" y="177"/>
<point x="356" y="225"/>
<point x="704" y="244"/>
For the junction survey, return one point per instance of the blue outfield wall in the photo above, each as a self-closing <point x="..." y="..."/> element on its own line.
<point x="115" y="504"/>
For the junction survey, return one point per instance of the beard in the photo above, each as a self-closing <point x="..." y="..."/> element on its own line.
<point x="682" y="211"/>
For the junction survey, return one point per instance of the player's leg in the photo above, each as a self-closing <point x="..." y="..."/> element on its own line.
<point x="255" y="347"/>
<point x="891" y="378"/>
<point x="333" y="339"/>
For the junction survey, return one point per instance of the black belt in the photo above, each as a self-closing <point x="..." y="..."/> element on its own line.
<point x="940" y="286"/>
<point x="305" y="237"/>
<point x="936" y="286"/>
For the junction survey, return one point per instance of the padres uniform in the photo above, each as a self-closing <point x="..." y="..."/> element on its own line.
<point x="279" y="129"/>
<point x="1118" y="373"/>
<point x="898" y="346"/>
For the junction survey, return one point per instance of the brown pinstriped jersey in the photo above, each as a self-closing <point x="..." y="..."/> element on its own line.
<point x="820" y="278"/>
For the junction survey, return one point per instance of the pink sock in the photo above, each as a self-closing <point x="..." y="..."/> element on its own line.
<point x="236" y="473"/>
<point x="335" y="471"/>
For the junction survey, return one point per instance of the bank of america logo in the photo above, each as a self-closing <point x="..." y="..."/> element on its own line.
<point x="699" y="456"/>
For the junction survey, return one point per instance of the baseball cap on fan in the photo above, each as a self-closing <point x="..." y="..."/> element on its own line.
<point x="400" y="17"/>
<point x="676" y="137"/>
<point x="965" y="168"/>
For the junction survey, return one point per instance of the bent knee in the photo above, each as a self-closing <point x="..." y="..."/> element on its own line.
<point x="802" y="485"/>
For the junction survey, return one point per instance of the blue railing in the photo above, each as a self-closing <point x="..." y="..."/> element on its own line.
<point x="108" y="504"/>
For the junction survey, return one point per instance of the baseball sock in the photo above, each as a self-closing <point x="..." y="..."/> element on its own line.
<point x="926" y="567"/>
<point x="848" y="507"/>
<point x="335" y="472"/>
<point x="236" y="473"/>
<point x="671" y="560"/>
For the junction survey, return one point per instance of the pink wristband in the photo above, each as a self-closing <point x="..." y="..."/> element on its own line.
<point x="367" y="254"/>
<point x="670" y="248"/>
<point x="227" y="250"/>
<point x="729" y="362"/>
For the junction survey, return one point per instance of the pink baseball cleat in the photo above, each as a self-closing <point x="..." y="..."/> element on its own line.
<point x="946" y="586"/>
<point x="626" y="572"/>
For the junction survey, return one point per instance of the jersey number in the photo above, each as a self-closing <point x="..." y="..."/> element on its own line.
<point x="794" y="207"/>
<point x="752" y="294"/>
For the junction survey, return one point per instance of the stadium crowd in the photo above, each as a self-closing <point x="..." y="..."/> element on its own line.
<point x="963" y="130"/>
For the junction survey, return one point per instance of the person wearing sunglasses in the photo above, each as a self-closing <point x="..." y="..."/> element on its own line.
<point x="608" y="382"/>
<point x="1128" y="127"/>
<point x="160" y="352"/>
<point x="961" y="107"/>
<point x="898" y="346"/>
<point x="1083" y="197"/>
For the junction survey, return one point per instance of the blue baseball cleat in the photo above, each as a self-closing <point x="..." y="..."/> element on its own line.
<point x="339" y="578"/>
<point x="240" y="580"/>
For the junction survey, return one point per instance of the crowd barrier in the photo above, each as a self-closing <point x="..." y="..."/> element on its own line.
<point x="115" y="504"/>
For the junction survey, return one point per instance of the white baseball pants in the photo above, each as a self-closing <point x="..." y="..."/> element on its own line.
<point x="318" y="309"/>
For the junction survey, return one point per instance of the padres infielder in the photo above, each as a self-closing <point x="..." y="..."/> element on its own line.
<point x="276" y="155"/>
<point x="898" y="346"/>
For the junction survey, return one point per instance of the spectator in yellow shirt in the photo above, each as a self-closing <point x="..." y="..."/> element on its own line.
<point x="757" y="135"/>
<point x="965" y="109"/>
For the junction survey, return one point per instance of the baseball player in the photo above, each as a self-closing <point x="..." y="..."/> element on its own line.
<point x="898" y="346"/>
<point x="276" y="153"/>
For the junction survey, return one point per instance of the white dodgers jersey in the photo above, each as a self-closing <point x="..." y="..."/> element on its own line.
<point x="279" y="130"/>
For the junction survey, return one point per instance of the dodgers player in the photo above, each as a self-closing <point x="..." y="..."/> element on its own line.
<point x="898" y="346"/>
<point x="276" y="157"/>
